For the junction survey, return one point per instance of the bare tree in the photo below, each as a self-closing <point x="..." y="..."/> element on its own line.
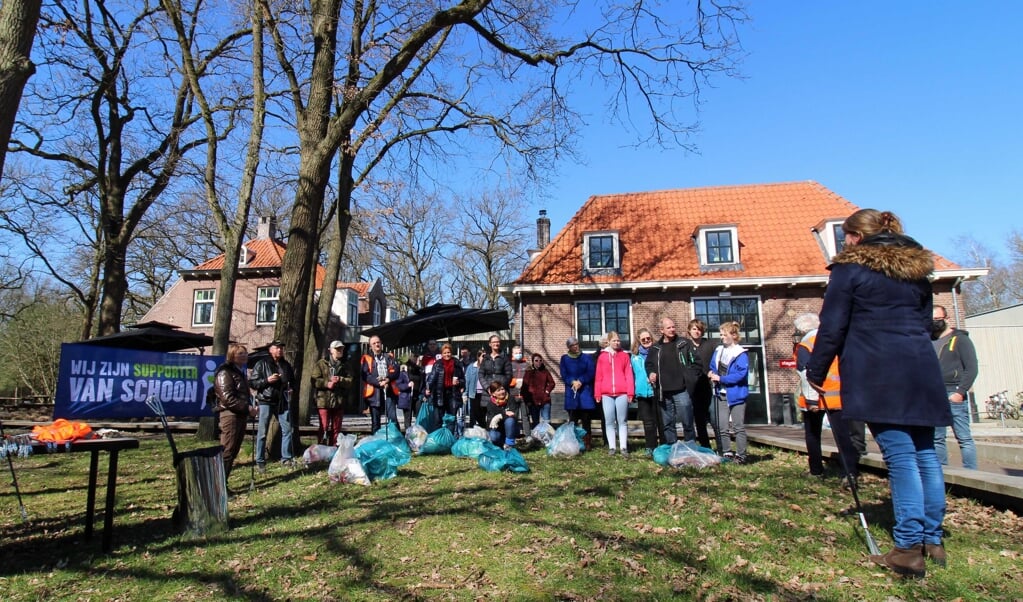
<point x="416" y="78"/>
<point x="18" y="20"/>
<point x="402" y="235"/>
<point x="493" y="232"/>
<point x="112" y="120"/>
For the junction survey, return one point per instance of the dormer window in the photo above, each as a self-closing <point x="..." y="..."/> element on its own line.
<point x="830" y="236"/>
<point x="718" y="246"/>
<point x="601" y="253"/>
<point x="243" y="257"/>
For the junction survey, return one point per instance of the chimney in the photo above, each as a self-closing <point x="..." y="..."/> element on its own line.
<point x="267" y="228"/>
<point x="543" y="230"/>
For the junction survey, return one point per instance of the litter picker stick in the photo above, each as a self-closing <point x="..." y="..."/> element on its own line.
<point x="853" y="486"/>
<point x="14" y="477"/>
<point x="157" y="407"/>
<point x="252" y="471"/>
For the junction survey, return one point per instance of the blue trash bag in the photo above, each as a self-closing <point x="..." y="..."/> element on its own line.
<point x="565" y="442"/>
<point x="438" y="442"/>
<point x="580" y="435"/>
<point x="390" y="432"/>
<point x="427" y="417"/>
<point x="691" y="454"/>
<point x="449" y="422"/>
<point x="661" y="454"/>
<point x="493" y="460"/>
<point x="470" y="447"/>
<point x="514" y="461"/>
<point x="381" y="459"/>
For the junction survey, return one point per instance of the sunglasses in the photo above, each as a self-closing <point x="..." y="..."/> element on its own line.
<point x="645" y="339"/>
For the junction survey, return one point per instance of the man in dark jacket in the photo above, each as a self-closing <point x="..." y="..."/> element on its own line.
<point x="958" y="360"/>
<point x="273" y="378"/>
<point x="696" y="352"/>
<point x="667" y="371"/>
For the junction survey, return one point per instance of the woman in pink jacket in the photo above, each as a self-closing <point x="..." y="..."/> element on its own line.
<point x="614" y="388"/>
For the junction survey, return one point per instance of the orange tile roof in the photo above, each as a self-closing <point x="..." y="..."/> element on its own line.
<point x="265" y="254"/>
<point x="773" y="222"/>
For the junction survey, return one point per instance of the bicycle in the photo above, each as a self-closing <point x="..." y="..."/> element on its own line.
<point x="998" y="407"/>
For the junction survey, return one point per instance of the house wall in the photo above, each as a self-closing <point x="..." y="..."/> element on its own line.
<point x="998" y="337"/>
<point x="547" y="321"/>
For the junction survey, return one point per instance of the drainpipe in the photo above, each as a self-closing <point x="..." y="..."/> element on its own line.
<point x="522" y="327"/>
<point x="955" y="301"/>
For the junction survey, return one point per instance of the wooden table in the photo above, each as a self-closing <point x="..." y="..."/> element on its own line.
<point x="95" y="446"/>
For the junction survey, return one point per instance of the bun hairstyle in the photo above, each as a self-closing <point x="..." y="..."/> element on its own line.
<point x="868" y="222"/>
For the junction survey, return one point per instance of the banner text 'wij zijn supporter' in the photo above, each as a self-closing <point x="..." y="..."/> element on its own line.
<point x="106" y="382"/>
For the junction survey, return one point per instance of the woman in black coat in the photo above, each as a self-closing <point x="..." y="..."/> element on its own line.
<point x="876" y="318"/>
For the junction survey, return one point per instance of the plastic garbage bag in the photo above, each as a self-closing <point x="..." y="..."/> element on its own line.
<point x="438" y="442"/>
<point x="691" y="454"/>
<point x="476" y="432"/>
<point x="390" y="432"/>
<point x="427" y="417"/>
<point x="471" y="447"/>
<point x="345" y="450"/>
<point x="514" y="462"/>
<point x="528" y="443"/>
<point x="543" y="432"/>
<point x="351" y="471"/>
<point x="381" y="459"/>
<point x="496" y="460"/>
<point x="493" y="460"/>
<point x="416" y="437"/>
<point x="315" y="454"/>
<point x="564" y="443"/>
<point x="661" y="453"/>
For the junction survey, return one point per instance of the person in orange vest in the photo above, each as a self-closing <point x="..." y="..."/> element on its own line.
<point x="814" y="409"/>
<point x="378" y="371"/>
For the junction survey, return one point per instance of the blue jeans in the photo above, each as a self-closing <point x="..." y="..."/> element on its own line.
<point x="284" y="418"/>
<point x="961" y="430"/>
<point x="510" y="426"/>
<point x="538" y="414"/>
<point x="676" y="406"/>
<point x="915" y="480"/>
<point x="391" y="410"/>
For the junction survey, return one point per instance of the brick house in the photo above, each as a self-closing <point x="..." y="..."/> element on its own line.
<point x="191" y="301"/>
<point x="755" y="254"/>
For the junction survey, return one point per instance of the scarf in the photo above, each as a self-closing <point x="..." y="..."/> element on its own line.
<point x="643" y="351"/>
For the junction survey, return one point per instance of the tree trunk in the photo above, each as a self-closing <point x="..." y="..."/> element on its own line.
<point x="18" y="20"/>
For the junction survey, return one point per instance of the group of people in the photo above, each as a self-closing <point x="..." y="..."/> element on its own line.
<point x="880" y="354"/>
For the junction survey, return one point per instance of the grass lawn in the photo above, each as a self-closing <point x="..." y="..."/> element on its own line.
<point x="585" y="528"/>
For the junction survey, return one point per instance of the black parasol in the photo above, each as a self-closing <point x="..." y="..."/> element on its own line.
<point x="153" y="336"/>
<point x="439" y="321"/>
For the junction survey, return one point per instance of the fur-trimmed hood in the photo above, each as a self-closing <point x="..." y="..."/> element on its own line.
<point x="894" y="255"/>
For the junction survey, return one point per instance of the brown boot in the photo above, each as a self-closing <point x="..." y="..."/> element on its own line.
<point x="908" y="562"/>
<point x="936" y="552"/>
<point x="588" y="441"/>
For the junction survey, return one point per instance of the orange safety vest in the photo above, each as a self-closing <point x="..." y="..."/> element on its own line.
<point x="61" y="431"/>
<point x="832" y="384"/>
<point x="367" y="389"/>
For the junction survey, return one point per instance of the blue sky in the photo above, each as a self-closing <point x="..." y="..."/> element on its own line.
<point x="910" y="106"/>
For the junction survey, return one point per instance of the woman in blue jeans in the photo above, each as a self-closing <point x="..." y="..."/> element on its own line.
<point x="877" y="312"/>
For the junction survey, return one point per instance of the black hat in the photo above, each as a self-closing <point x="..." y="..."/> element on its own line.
<point x="276" y="343"/>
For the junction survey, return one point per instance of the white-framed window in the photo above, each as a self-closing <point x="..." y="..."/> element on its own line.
<point x="601" y="252"/>
<point x="202" y="306"/>
<point x="718" y="245"/>
<point x="593" y="319"/>
<point x="266" y="304"/>
<point x="378" y="313"/>
<point x="353" y="308"/>
<point x="830" y="236"/>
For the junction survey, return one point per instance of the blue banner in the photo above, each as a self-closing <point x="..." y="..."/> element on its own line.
<point x="107" y="382"/>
